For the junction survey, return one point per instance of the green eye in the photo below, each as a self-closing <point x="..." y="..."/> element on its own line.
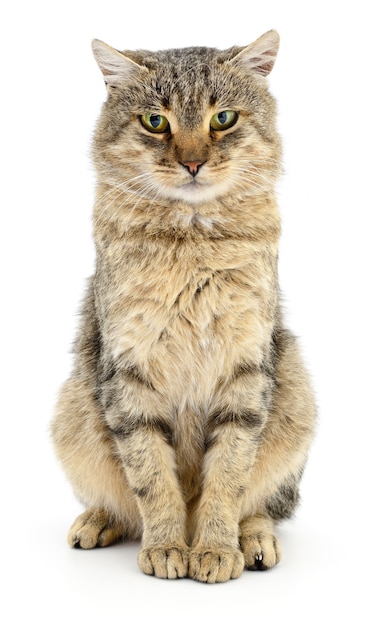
<point x="155" y="123"/>
<point x="223" y="120"/>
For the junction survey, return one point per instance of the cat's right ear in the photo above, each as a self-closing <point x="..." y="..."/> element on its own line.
<point x="115" y="66"/>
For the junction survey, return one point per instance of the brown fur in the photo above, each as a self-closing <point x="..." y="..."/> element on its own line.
<point x="188" y="416"/>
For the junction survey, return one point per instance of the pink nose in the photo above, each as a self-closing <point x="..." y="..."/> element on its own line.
<point x="192" y="166"/>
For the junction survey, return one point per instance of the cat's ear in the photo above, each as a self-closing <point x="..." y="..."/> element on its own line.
<point x="115" y="66"/>
<point x="260" y="55"/>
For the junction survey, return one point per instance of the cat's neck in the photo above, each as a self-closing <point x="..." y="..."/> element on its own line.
<point x="253" y="218"/>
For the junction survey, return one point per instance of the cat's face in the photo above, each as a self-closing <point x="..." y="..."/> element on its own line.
<point x="189" y="125"/>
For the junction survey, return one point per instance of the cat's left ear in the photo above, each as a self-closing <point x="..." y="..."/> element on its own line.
<point x="116" y="67"/>
<point x="260" y="55"/>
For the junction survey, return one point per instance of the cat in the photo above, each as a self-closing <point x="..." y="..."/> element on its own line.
<point x="188" y="416"/>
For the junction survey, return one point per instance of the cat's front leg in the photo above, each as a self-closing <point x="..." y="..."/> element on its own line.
<point x="231" y="447"/>
<point x="148" y="460"/>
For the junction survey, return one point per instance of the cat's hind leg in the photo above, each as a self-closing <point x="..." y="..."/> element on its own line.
<point x="273" y="492"/>
<point x="87" y="452"/>
<point x="95" y="528"/>
<point x="260" y="546"/>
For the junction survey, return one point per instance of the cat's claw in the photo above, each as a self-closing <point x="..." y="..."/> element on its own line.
<point x="215" y="566"/>
<point x="164" y="562"/>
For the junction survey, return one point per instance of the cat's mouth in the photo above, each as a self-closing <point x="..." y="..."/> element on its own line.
<point x="196" y="191"/>
<point x="194" y="185"/>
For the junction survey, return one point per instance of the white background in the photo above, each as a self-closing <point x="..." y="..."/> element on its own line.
<point x="51" y="93"/>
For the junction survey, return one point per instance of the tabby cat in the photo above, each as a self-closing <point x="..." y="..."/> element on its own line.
<point x="188" y="416"/>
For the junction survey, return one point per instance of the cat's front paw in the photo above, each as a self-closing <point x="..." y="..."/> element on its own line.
<point x="261" y="551"/>
<point x="215" y="566"/>
<point x="164" y="561"/>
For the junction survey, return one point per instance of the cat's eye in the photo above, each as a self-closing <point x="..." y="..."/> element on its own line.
<point x="223" y="120"/>
<point x="155" y="123"/>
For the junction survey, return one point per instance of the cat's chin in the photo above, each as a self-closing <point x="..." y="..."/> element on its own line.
<point x="194" y="194"/>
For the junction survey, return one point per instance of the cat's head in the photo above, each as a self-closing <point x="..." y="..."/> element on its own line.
<point x="188" y="125"/>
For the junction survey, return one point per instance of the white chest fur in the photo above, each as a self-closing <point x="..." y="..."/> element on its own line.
<point x="185" y="320"/>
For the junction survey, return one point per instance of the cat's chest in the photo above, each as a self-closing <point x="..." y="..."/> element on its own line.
<point x="171" y="311"/>
<point x="190" y="314"/>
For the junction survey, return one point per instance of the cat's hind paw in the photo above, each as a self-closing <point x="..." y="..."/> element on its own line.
<point x="261" y="551"/>
<point x="94" y="528"/>
<point x="215" y="566"/>
<point x="164" y="562"/>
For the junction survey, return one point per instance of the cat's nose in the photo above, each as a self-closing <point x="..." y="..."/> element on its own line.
<point x="192" y="166"/>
